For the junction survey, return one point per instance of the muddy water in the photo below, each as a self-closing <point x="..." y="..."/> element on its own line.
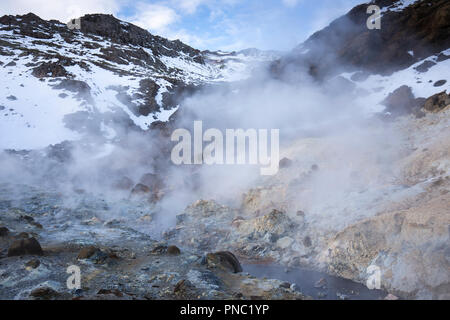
<point x="332" y="288"/>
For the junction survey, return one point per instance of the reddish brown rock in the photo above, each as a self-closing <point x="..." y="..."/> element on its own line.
<point x="437" y="102"/>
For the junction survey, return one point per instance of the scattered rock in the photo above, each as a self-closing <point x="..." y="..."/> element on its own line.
<point x="159" y="249"/>
<point x="184" y="288"/>
<point x="11" y="98"/>
<point x="224" y="260"/>
<point x="31" y="221"/>
<point x="33" y="263"/>
<point x="24" y="247"/>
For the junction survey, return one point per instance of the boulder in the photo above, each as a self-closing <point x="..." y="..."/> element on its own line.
<point x="223" y="260"/>
<point x="173" y="250"/>
<point x="29" y="246"/>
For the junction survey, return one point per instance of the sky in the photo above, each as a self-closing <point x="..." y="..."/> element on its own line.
<point x="205" y="24"/>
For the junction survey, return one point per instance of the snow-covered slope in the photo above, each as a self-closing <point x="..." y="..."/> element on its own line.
<point x="51" y="76"/>
<point x="425" y="78"/>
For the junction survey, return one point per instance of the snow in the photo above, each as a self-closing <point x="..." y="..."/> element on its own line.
<point x="399" y="6"/>
<point x="164" y="115"/>
<point x="379" y="87"/>
<point x="37" y="120"/>
<point x="403" y="4"/>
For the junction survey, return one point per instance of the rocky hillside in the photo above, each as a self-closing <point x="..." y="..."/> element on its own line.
<point x="58" y="84"/>
<point x="393" y="69"/>
<point x="410" y="32"/>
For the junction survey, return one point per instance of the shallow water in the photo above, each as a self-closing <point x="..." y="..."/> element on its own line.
<point x="336" y="288"/>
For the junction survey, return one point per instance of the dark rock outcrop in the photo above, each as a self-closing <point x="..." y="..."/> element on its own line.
<point x="402" y="101"/>
<point x="126" y="33"/>
<point x="437" y="102"/>
<point x="50" y="69"/>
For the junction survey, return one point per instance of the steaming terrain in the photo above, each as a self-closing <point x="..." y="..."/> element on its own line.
<point x="86" y="118"/>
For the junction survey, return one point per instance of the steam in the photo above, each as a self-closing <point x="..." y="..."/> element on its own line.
<point x="320" y="124"/>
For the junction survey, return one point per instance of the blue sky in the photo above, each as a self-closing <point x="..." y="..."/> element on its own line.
<point x="205" y="24"/>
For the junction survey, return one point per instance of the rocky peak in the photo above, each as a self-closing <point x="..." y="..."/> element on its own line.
<point x="107" y="26"/>
<point x="408" y="34"/>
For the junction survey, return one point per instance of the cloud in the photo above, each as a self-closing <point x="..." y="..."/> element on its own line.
<point x="62" y="10"/>
<point x="291" y="3"/>
<point x="189" y="6"/>
<point x="155" y="17"/>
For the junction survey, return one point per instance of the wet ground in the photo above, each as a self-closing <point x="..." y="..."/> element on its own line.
<point x="316" y="284"/>
<point x="123" y="228"/>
